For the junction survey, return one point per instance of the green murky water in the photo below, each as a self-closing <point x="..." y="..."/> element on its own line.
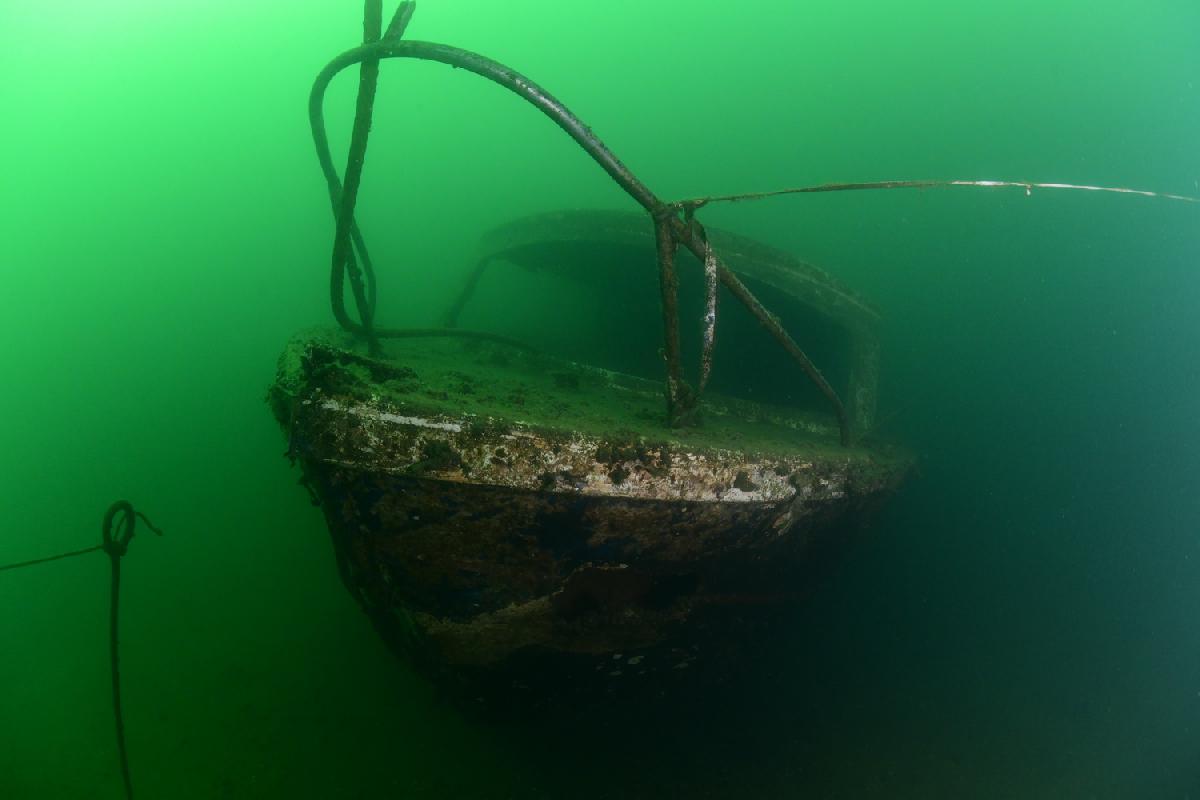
<point x="1021" y="620"/>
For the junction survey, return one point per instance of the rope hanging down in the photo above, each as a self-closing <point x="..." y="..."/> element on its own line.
<point x="116" y="546"/>
<point x="122" y="516"/>
<point x="350" y="248"/>
<point x="343" y="195"/>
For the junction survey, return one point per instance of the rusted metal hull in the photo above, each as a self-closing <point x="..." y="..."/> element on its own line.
<point x="514" y="562"/>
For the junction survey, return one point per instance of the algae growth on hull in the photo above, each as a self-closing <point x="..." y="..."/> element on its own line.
<point x="492" y="383"/>
<point x="502" y="514"/>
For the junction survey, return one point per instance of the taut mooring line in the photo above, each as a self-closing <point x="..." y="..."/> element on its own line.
<point x="1028" y="186"/>
<point x="34" y="561"/>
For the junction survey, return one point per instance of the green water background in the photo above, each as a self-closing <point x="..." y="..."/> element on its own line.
<point x="1020" y="622"/>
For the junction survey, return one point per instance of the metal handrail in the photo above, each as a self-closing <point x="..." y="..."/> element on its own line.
<point x="675" y="223"/>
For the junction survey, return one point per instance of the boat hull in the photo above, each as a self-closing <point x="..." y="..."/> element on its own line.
<point x="522" y="564"/>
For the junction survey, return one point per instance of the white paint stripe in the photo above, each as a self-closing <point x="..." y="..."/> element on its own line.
<point x="398" y="419"/>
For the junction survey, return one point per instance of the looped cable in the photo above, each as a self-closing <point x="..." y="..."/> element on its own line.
<point x="119" y="544"/>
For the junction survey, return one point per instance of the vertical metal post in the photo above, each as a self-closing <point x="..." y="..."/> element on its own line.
<point x="679" y="396"/>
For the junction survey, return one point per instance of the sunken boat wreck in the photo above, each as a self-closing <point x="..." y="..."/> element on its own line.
<point x="528" y="529"/>
<point x="520" y="525"/>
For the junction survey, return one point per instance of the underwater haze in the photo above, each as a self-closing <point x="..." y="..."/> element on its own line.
<point x="1022" y="619"/>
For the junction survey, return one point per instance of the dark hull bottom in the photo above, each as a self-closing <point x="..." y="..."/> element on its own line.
<point x="513" y="600"/>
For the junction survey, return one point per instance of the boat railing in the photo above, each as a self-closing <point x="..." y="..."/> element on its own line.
<point x="675" y="224"/>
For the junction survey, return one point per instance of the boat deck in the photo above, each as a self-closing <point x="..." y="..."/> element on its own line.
<point x="488" y="380"/>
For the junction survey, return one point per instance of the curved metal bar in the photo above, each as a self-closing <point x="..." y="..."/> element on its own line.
<point x="583" y="136"/>
<point x="498" y="73"/>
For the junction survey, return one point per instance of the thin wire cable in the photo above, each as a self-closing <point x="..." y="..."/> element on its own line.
<point x="32" y="562"/>
<point x="1028" y="186"/>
